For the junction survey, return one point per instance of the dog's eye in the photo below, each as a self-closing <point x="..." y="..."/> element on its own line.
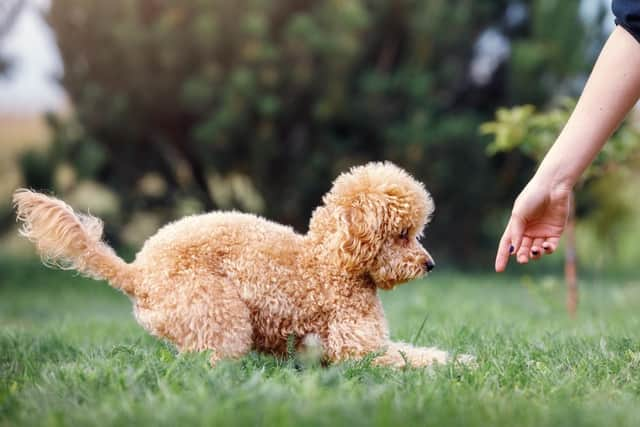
<point x="404" y="234"/>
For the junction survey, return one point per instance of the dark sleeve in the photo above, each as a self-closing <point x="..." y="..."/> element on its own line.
<point x="627" y="14"/>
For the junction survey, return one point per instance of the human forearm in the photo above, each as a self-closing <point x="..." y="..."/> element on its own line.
<point x="611" y="91"/>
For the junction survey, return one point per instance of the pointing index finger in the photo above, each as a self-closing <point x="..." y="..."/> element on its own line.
<point x="505" y="248"/>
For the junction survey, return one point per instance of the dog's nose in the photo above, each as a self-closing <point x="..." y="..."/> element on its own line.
<point x="429" y="265"/>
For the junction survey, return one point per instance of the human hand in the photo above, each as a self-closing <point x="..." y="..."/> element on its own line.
<point x="537" y="221"/>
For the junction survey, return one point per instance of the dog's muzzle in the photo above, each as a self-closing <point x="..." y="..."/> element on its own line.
<point x="429" y="265"/>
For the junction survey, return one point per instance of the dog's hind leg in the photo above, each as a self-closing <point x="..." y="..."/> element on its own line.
<point x="202" y="312"/>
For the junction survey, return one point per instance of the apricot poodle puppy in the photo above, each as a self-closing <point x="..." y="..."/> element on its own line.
<point x="231" y="282"/>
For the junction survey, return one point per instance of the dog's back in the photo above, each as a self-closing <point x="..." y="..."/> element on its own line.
<point x="241" y="247"/>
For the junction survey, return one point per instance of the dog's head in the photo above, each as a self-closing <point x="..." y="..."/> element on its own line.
<point x="371" y="221"/>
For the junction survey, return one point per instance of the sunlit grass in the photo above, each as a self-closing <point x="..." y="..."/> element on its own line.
<point x="71" y="354"/>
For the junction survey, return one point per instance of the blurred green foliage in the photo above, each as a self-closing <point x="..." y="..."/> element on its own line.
<point x="283" y="95"/>
<point x="533" y="132"/>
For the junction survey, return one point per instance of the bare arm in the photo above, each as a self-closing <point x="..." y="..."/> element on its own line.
<point x="540" y="211"/>
<point x="611" y="91"/>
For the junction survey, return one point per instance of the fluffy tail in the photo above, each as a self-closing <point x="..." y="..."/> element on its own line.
<point x="69" y="240"/>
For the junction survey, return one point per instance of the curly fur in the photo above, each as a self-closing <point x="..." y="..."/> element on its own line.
<point x="231" y="282"/>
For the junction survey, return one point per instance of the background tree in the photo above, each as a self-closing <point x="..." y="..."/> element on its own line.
<point x="258" y="105"/>
<point x="9" y="13"/>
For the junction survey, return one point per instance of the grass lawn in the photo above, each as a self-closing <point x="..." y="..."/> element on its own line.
<point x="71" y="354"/>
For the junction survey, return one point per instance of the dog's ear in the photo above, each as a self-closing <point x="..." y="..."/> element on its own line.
<point x="358" y="236"/>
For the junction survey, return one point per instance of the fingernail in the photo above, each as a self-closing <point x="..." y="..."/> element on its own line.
<point x="511" y="249"/>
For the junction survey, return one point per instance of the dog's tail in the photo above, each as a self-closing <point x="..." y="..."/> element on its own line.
<point x="71" y="241"/>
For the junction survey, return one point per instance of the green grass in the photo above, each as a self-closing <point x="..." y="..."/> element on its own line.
<point x="71" y="354"/>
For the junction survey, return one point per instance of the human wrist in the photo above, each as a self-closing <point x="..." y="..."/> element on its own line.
<point x="553" y="179"/>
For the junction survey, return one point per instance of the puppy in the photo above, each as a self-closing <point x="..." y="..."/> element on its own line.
<point x="231" y="282"/>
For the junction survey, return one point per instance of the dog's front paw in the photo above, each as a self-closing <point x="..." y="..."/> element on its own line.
<point x="428" y="357"/>
<point x="436" y="356"/>
<point x="466" y="359"/>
